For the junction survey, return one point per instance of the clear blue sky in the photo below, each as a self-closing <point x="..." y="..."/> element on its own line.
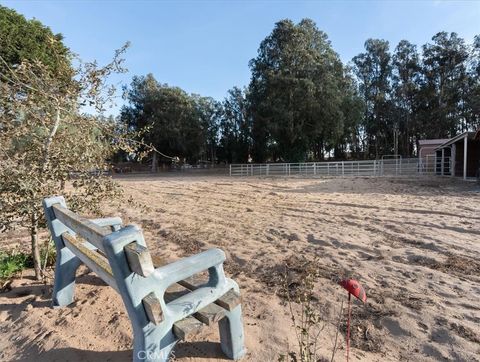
<point x="204" y="46"/>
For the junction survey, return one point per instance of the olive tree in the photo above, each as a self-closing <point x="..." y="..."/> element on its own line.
<point x="48" y="145"/>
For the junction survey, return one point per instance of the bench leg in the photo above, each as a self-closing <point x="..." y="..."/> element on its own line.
<point x="66" y="266"/>
<point x="231" y="334"/>
<point x="155" y="345"/>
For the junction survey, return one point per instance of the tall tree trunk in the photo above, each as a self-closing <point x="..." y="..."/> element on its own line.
<point x="48" y="142"/>
<point x="395" y="139"/>
<point x="37" y="265"/>
<point x="154" y="162"/>
<point x="35" y="248"/>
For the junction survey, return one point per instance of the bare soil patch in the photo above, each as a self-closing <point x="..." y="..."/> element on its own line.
<point x="410" y="242"/>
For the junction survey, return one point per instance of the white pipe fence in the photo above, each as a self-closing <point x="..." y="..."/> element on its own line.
<point x="384" y="167"/>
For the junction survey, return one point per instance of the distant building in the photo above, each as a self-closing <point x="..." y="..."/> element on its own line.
<point x="459" y="156"/>
<point x="427" y="147"/>
<point x="427" y="155"/>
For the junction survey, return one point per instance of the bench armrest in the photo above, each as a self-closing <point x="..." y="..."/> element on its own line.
<point x="193" y="301"/>
<point x="113" y="222"/>
<point x="185" y="268"/>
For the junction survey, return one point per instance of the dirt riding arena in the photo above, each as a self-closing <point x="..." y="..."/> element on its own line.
<point x="412" y="243"/>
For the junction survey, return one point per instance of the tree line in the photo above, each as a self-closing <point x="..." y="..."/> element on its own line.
<point x="304" y="104"/>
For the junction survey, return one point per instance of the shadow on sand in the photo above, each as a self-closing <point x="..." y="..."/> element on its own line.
<point x="182" y="350"/>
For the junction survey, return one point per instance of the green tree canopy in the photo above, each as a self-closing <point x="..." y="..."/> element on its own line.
<point x="444" y="78"/>
<point x="373" y="69"/>
<point x="29" y="40"/>
<point x="295" y="93"/>
<point x="235" y="127"/>
<point x="175" y="123"/>
<point x="406" y="83"/>
<point x="303" y="104"/>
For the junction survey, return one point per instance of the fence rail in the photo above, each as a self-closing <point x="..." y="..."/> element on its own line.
<point x="383" y="167"/>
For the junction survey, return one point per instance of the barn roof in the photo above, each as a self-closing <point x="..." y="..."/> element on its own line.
<point x="434" y="142"/>
<point x="457" y="138"/>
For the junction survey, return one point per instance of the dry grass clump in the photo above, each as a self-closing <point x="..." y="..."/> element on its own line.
<point x="309" y="316"/>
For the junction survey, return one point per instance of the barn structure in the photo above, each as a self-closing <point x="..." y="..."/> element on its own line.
<point x="427" y="148"/>
<point x="427" y="154"/>
<point x="459" y="156"/>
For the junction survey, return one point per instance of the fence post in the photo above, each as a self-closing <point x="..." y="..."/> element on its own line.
<point x="374" y="168"/>
<point x="230" y="169"/>
<point x="314" y="168"/>
<point x="343" y="168"/>
<point x="328" y="169"/>
<point x="268" y="169"/>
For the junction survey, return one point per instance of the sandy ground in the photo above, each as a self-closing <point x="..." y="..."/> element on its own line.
<point x="413" y="244"/>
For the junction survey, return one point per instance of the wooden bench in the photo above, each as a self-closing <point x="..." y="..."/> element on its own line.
<point x="164" y="302"/>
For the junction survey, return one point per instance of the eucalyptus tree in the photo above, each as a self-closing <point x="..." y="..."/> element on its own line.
<point x="235" y="127"/>
<point x="210" y="113"/>
<point x="472" y="99"/>
<point x="139" y="112"/>
<point x="445" y="75"/>
<point x="169" y="119"/>
<point x="373" y="69"/>
<point x="29" y="40"/>
<point x="350" y="141"/>
<point x="406" y="64"/>
<point x="295" y="93"/>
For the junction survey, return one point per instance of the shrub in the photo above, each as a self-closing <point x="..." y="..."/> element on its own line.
<point x="12" y="263"/>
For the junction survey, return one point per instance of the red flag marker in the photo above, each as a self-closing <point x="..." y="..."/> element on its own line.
<point x="354" y="288"/>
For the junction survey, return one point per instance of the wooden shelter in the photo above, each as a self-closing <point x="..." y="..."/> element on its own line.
<point x="460" y="155"/>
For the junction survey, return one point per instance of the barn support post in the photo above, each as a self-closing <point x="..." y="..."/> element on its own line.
<point x="453" y="156"/>
<point x="442" y="165"/>
<point x="465" y="147"/>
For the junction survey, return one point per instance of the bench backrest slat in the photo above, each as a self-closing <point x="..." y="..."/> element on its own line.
<point x="96" y="262"/>
<point x="82" y="226"/>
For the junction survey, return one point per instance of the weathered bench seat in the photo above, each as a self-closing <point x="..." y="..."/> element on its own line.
<point x="164" y="302"/>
